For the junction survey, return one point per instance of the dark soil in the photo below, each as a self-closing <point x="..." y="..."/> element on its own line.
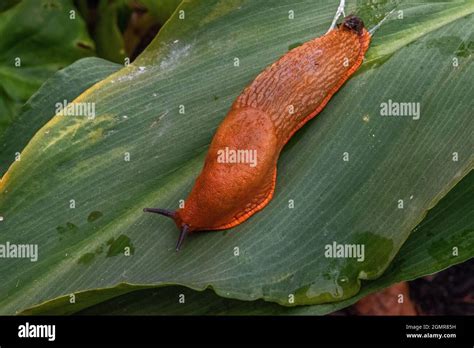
<point x="450" y="292"/>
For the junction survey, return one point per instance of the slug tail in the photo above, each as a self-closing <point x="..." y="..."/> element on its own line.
<point x="165" y="212"/>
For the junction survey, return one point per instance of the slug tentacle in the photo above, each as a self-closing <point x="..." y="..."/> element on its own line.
<point x="172" y="214"/>
<point x="182" y="236"/>
<point x="164" y="212"/>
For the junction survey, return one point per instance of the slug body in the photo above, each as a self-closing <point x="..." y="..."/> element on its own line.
<point x="262" y="119"/>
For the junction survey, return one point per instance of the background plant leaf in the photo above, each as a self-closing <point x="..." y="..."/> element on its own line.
<point x="6" y="4"/>
<point x="161" y="10"/>
<point x="429" y="249"/>
<point x="108" y="37"/>
<point x="29" y="31"/>
<point x="190" y="63"/>
<point x="38" y="109"/>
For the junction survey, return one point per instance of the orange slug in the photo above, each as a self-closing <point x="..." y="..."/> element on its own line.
<point x="262" y="119"/>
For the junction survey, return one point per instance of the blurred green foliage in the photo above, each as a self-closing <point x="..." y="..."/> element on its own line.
<point x="32" y="48"/>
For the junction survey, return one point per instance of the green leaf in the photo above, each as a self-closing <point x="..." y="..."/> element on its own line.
<point x="108" y="37"/>
<point x="161" y="10"/>
<point x="429" y="249"/>
<point x="32" y="48"/>
<point x="65" y="84"/>
<point x="190" y="63"/>
<point x="6" y="4"/>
